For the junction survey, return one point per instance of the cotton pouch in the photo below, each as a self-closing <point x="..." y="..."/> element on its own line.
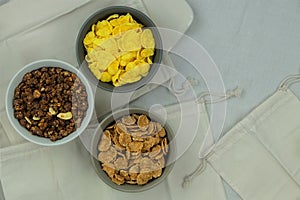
<point x="183" y="182"/>
<point x="259" y="156"/>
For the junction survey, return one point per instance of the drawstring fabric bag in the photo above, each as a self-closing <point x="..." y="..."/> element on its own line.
<point x="208" y="185"/>
<point x="259" y="156"/>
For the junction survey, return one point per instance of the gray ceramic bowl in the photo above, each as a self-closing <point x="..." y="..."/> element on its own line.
<point x="18" y="78"/>
<point x="140" y="17"/>
<point x="128" y="187"/>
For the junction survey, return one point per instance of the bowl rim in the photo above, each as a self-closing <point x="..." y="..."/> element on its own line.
<point x="16" y="79"/>
<point x="154" y="66"/>
<point x="99" y="131"/>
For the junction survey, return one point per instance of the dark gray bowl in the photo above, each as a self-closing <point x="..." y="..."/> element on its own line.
<point x="127" y="187"/>
<point x="140" y="17"/>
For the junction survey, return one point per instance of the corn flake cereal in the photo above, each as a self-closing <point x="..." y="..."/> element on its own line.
<point x="119" y="50"/>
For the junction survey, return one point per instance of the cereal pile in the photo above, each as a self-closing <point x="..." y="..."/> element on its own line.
<point x="50" y="102"/>
<point x="133" y="150"/>
<point x="119" y="50"/>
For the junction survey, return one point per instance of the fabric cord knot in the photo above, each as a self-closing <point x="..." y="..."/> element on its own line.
<point x="201" y="100"/>
<point x="288" y="81"/>
<point x="201" y="167"/>
<point x="210" y="98"/>
<point x="283" y="87"/>
<point x="190" y="81"/>
<point x="188" y="178"/>
<point x="234" y="93"/>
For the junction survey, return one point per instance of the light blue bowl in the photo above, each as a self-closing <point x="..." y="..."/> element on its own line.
<point x="18" y="78"/>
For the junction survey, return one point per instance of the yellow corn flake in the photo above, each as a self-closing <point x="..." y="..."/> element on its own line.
<point x="110" y="46"/>
<point x="114" y="16"/>
<point x="126" y="58"/>
<point x="89" y="38"/>
<point x="129" y="77"/>
<point x="134" y="74"/>
<point x="115" y="78"/>
<point x="106" y="77"/>
<point x="147" y="39"/>
<point x="97" y="73"/>
<point x="118" y="50"/>
<point x="130" y="66"/>
<point x="97" y="42"/>
<point x="144" y="69"/>
<point x="147" y="53"/>
<point x="142" y="54"/>
<point x="88" y="57"/>
<point x="141" y="69"/>
<point x="125" y="18"/>
<point x="148" y="60"/>
<point x="113" y="67"/>
<point x="104" y="28"/>
<point x="116" y="31"/>
<point x="120" y="81"/>
<point x="89" y="50"/>
<point x="114" y="23"/>
<point x="131" y="41"/>
<point x="104" y="59"/>
<point x="135" y="71"/>
<point x="123" y="63"/>
<point x="94" y="28"/>
<point x="128" y="26"/>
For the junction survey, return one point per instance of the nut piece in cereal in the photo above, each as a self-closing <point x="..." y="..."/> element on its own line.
<point x="65" y="116"/>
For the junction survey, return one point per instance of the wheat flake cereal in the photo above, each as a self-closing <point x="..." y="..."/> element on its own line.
<point x="133" y="150"/>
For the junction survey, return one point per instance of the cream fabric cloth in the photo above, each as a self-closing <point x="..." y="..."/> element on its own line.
<point x="16" y="18"/>
<point x="33" y="172"/>
<point x="259" y="157"/>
